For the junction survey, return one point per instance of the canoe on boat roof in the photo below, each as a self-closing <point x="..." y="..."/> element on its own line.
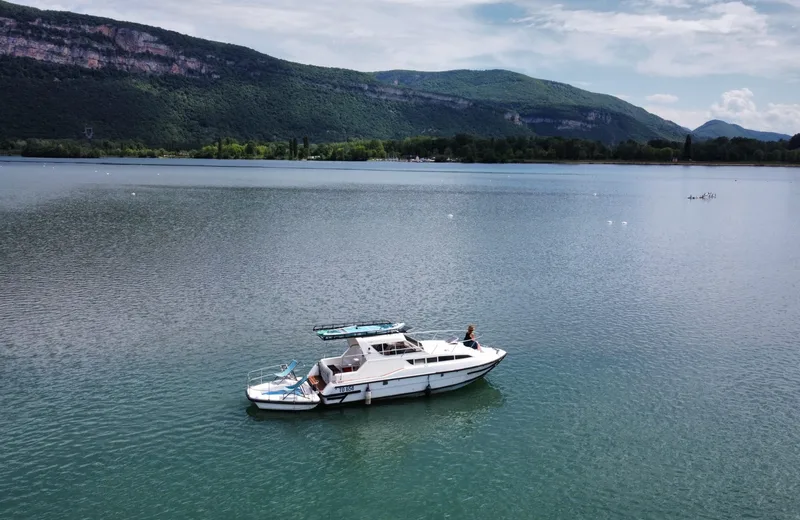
<point x="359" y="329"/>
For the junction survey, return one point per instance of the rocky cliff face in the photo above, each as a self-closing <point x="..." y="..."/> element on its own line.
<point x="122" y="48"/>
<point x="95" y="47"/>
<point x="591" y="119"/>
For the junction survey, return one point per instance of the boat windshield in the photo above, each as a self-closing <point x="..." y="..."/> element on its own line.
<point x="396" y="348"/>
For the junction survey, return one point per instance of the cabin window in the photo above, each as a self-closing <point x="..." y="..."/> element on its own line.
<point x="394" y="349"/>
<point x="437" y="360"/>
<point x="411" y="340"/>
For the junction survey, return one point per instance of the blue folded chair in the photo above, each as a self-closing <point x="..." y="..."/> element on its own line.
<point x="291" y="389"/>
<point x="287" y="370"/>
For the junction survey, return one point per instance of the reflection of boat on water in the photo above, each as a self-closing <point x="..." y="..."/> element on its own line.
<point x="379" y="363"/>
<point x="478" y="397"/>
<point x="362" y="431"/>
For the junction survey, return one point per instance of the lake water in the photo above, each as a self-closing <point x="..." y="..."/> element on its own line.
<point x="653" y="367"/>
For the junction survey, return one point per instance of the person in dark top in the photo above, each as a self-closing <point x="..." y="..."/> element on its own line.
<point x="469" y="338"/>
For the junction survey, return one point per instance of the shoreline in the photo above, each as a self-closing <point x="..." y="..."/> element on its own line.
<point x="100" y="160"/>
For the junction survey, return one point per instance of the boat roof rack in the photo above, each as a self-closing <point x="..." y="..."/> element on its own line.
<point x="341" y="325"/>
<point x="382" y="327"/>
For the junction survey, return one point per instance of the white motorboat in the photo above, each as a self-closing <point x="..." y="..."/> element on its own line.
<point x="390" y="365"/>
<point x="283" y="390"/>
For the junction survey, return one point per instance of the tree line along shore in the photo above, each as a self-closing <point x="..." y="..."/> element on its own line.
<point x="459" y="148"/>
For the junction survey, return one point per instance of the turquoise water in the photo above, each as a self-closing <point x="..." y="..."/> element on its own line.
<point x="653" y="367"/>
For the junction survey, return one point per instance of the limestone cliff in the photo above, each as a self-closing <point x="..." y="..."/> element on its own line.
<point x="95" y="47"/>
<point x="106" y="46"/>
<point x="61" y="72"/>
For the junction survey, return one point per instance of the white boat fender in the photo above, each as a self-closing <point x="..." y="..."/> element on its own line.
<point x="368" y="396"/>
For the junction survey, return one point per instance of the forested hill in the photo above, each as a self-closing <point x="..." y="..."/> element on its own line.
<point x="62" y="74"/>
<point x="716" y="128"/>
<point x="547" y="107"/>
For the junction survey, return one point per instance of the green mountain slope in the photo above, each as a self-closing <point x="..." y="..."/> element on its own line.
<point x="549" y="107"/>
<point x="164" y="109"/>
<point x="716" y="128"/>
<point x="61" y="72"/>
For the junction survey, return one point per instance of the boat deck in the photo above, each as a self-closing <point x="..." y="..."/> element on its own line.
<point x="317" y="383"/>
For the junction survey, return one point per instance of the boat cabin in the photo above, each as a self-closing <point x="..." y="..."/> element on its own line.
<point x="367" y="357"/>
<point x="382" y="356"/>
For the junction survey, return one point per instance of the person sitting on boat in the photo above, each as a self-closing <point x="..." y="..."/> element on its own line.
<point x="469" y="338"/>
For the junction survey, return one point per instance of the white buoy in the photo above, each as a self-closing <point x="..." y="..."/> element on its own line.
<point x="624" y="223"/>
<point x="449" y="215"/>
<point x="134" y="194"/>
<point x="610" y="221"/>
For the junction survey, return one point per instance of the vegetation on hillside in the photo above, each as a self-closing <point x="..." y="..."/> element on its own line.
<point x="716" y="128"/>
<point x="252" y="96"/>
<point x="460" y="148"/>
<point x="49" y="102"/>
<point x="541" y="98"/>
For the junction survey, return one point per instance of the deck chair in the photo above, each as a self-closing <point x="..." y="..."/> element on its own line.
<point x="288" y="370"/>
<point x="289" y="390"/>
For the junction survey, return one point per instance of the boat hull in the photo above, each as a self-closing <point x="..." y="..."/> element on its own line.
<point x="408" y="386"/>
<point x="285" y="406"/>
<point x="308" y="400"/>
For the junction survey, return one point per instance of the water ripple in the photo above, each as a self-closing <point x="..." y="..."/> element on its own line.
<point x="652" y="369"/>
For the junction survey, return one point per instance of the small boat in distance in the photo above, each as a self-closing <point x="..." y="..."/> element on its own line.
<point x="359" y="329"/>
<point x="379" y="362"/>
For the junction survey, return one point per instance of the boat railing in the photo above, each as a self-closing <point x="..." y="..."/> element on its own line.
<point x="263" y="375"/>
<point x="451" y="336"/>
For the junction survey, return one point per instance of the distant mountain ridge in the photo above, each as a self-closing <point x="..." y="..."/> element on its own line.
<point x="62" y="73"/>
<point x="717" y="128"/>
<point x="547" y="107"/>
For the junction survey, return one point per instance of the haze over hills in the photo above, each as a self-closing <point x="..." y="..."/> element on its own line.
<point x="716" y="128"/>
<point x="61" y="72"/>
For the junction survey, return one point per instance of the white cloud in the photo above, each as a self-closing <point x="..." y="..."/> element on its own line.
<point x="720" y="38"/>
<point x="723" y="18"/>
<point x="737" y="106"/>
<point x="662" y="98"/>
<point x="651" y="37"/>
<point x="691" y="119"/>
<point x="358" y="34"/>
<point x="681" y="4"/>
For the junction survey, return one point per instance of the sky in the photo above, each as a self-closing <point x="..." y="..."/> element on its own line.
<point x="685" y="60"/>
